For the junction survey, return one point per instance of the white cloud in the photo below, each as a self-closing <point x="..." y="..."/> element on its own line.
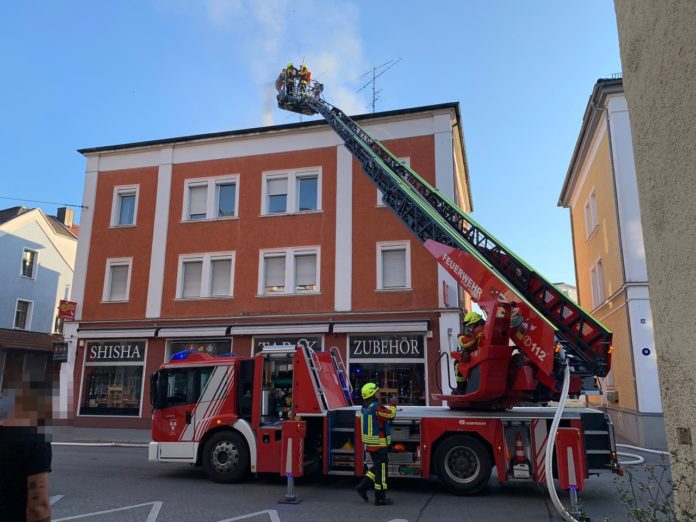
<point x="270" y="33"/>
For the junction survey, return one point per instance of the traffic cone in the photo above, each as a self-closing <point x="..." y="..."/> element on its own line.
<point x="520" y="464"/>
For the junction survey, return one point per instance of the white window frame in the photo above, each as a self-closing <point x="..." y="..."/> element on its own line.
<point x="590" y="209"/>
<point x="383" y="246"/>
<point x="124" y="190"/>
<point x="406" y="160"/>
<point x="292" y="176"/>
<point x="290" y="255"/>
<point x="597" y="283"/>
<point x="106" y="292"/>
<point x="206" y="274"/>
<point x="35" y="268"/>
<point x="30" y="313"/>
<point x="211" y="213"/>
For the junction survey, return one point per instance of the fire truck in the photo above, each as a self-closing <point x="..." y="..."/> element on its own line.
<point x="287" y="410"/>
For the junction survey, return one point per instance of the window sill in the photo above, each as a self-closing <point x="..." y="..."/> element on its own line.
<point x="20" y="329"/>
<point x="211" y="298"/>
<point x="208" y="220"/>
<point x="115" y="301"/>
<point x="27" y="277"/>
<point x="131" y="225"/>
<point x="298" y="294"/>
<point x="392" y="290"/>
<point x="300" y="213"/>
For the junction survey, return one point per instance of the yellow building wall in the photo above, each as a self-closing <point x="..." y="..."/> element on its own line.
<point x="603" y="243"/>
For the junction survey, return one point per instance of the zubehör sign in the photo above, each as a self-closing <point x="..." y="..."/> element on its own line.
<point x="386" y="347"/>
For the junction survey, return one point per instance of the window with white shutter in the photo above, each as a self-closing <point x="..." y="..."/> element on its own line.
<point x="291" y="192"/>
<point x="220" y="277"/>
<point x="393" y="266"/>
<point x="198" y="202"/>
<point x="124" y="205"/>
<point x="193" y="271"/>
<point x="305" y="272"/>
<point x="277" y="190"/>
<point x="117" y="280"/>
<point x="274" y="274"/>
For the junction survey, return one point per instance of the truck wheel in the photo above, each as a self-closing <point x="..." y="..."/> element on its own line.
<point x="463" y="464"/>
<point x="226" y="457"/>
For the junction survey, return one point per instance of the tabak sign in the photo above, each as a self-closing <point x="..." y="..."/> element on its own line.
<point x="116" y="351"/>
<point x="310" y="342"/>
<point x="386" y="347"/>
<point x="66" y="309"/>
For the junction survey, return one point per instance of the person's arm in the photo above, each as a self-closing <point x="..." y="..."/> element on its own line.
<point x="38" y="503"/>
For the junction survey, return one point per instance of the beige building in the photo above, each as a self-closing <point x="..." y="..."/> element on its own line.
<point x="601" y="192"/>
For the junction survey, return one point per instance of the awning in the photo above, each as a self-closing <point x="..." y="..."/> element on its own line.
<point x="192" y="331"/>
<point x="124" y="333"/>
<point x="280" y="329"/>
<point x="382" y="327"/>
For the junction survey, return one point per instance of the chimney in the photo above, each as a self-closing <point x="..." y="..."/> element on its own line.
<point x="66" y="216"/>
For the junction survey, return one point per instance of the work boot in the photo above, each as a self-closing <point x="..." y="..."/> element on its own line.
<point x="363" y="487"/>
<point x="381" y="499"/>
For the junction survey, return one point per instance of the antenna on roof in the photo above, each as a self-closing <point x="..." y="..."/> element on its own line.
<point x="375" y="74"/>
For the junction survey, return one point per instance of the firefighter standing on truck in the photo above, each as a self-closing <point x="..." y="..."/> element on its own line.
<point x="376" y="435"/>
<point x="469" y="339"/>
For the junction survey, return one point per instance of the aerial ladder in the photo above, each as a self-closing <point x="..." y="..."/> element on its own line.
<point x="533" y="330"/>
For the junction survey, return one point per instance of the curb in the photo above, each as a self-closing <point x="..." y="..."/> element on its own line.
<point x="103" y="444"/>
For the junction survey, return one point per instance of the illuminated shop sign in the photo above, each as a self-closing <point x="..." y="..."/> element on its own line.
<point x="386" y="347"/>
<point x="116" y="350"/>
<point x="311" y="342"/>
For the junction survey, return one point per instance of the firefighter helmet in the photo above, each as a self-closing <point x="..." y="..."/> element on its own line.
<point x="369" y="390"/>
<point x="472" y="318"/>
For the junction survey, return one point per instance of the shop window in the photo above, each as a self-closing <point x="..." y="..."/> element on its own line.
<point x="124" y="206"/>
<point x="29" y="263"/>
<point x="117" y="279"/>
<point x="291" y="192"/>
<point x="205" y="275"/>
<point x="209" y="346"/>
<point x="112" y="390"/>
<point x="394" y="266"/>
<point x="23" y="313"/>
<point x="211" y="198"/>
<point x="405" y="381"/>
<point x="290" y="271"/>
<point x="113" y="378"/>
<point x="34" y="367"/>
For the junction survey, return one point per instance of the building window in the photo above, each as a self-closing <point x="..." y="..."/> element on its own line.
<point x="597" y="281"/>
<point x="206" y="275"/>
<point x="23" y="312"/>
<point x="591" y="220"/>
<point x="290" y="271"/>
<point x="211" y="198"/>
<point x="29" y="263"/>
<point x="124" y="207"/>
<point x="113" y="378"/>
<point x="34" y="366"/>
<point x="394" y="265"/>
<point x="291" y="192"/>
<point x="380" y="197"/>
<point x="117" y="280"/>
<point x="210" y="346"/>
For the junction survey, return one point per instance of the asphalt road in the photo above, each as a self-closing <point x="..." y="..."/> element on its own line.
<point x="110" y="484"/>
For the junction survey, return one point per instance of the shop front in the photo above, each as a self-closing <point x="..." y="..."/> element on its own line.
<point x="395" y="362"/>
<point x="112" y="379"/>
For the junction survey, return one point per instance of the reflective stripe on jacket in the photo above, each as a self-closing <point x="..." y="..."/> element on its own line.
<point x="376" y="431"/>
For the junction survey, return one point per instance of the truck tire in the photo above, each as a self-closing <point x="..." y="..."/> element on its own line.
<point x="463" y="464"/>
<point x="226" y="457"/>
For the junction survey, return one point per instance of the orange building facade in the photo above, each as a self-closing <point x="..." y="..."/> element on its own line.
<point x="228" y="242"/>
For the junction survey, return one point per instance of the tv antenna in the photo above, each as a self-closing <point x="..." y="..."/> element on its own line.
<point x="376" y="73"/>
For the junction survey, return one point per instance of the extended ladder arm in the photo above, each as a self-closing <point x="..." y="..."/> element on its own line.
<point x="456" y="240"/>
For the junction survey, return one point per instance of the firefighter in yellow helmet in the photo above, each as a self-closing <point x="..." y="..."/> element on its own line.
<point x="469" y="339"/>
<point x="290" y="77"/>
<point x="376" y="435"/>
<point x="305" y="77"/>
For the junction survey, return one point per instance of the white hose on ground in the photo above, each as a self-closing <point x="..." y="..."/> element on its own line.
<point x="637" y="459"/>
<point x="548" y="461"/>
<point x="644" y="450"/>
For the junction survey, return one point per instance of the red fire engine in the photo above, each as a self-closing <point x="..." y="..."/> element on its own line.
<point x="287" y="409"/>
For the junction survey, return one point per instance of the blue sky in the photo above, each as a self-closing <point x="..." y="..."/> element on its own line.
<point x="83" y="73"/>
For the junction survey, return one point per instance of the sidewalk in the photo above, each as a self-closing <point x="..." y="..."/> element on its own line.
<point x="71" y="435"/>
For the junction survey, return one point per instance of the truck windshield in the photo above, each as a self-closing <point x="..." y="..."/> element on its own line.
<point x="178" y="386"/>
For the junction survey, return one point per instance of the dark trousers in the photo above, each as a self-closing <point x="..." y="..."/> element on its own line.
<point x="379" y="471"/>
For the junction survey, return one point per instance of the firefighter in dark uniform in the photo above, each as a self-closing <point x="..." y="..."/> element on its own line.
<point x="376" y="435"/>
<point x="469" y="339"/>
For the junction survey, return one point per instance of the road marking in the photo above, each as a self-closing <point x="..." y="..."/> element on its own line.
<point x="55" y="498"/>
<point x="154" y="512"/>
<point x="272" y="513"/>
